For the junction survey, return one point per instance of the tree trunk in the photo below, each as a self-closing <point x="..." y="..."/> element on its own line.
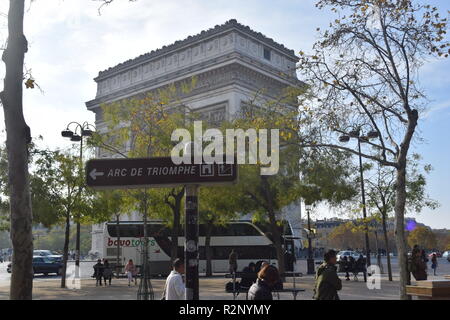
<point x="17" y="138"/>
<point x="400" y="230"/>
<point x="386" y="243"/>
<point x="66" y="250"/>
<point x="277" y="241"/>
<point x="273" y="224"/>
<point x="400" y="203"/>
<point x="209" y="227"/>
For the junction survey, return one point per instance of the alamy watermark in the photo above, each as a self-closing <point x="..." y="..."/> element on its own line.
<point x="259" y="150"/>
<point x="374" y="277"/>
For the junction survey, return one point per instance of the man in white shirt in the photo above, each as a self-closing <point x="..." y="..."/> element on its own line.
<point x="175" y="288"/>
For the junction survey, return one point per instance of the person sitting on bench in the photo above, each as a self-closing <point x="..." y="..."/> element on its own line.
<point x="248" y="276"/>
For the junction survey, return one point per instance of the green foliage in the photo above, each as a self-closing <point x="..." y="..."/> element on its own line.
<point x="141" y="126"/>
<point x="380" y="188"/>
<point x="61" y="186"/>
<point x="422" y="236"/>
<point x="53" y="239"/>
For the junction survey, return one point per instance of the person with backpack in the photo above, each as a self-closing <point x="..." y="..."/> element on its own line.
<point x="268" y="278"/>
<point x="248" y="276"/>
<point x="107" y="272"/>
<point x="327" y="281"/>
<point x="98" y="272"/>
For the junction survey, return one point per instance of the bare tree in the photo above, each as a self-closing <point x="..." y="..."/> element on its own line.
<point x="381" y="194"/>
<point x="363" y="73"/>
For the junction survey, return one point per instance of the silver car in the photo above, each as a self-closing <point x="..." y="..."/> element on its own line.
<point x="347" y="253"/>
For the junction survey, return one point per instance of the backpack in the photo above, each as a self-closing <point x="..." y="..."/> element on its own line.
<point x="229" y="286"/>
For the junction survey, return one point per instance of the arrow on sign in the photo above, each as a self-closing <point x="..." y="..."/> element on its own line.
<point x="94" y="174"/>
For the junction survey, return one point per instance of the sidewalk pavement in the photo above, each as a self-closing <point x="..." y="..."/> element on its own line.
<point x="210" y="289"/>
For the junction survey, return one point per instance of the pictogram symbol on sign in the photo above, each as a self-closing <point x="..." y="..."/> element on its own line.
<point x="207" y="170"/>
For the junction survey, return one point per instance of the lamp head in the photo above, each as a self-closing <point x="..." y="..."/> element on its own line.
<point x="75" y="138"/>
<point x="354" y="133"/>
<point x="87" y="133"/>
<point x="67" y="133"/>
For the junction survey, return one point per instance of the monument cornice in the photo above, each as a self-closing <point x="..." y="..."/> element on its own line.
<point x="236" y="72"/>
<point x="231" y="25"/>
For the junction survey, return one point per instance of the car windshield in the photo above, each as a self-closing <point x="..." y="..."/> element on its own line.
<point x="43" y="252"/>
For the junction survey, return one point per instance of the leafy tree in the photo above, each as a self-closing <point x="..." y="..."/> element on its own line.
<point x="422" y="236"/>
<point x="18" y="137"/>
<point x="56" y="173"/>
<point x="363" y="73"/>
<point x="107" y="205"/>
<point x="53" y="238"/>
<point x="218" y="206"/>
<point x="314" y="176"/>
<point x="346" y="236"/>
<point x="168" y="205"/>
<point x="443" y="240"/>
<point x="151" y="118"/>
<point x="380" y="191"/>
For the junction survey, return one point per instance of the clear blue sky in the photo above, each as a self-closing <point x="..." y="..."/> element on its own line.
<point x="69" y="43"/>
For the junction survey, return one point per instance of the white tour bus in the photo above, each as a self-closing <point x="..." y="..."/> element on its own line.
<point x="250" y="242"/>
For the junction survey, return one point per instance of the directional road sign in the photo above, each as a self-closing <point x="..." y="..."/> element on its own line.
<point x="155" y="172"/>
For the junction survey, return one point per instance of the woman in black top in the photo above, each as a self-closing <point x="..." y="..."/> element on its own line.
<point x="268" y="277"/>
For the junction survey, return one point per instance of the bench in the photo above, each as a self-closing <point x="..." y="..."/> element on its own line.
<point x="430" y="290"/>
<point x="245" y="290"/>
<point x="236" y="291"/>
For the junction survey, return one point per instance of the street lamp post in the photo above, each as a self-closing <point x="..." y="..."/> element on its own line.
<point x="362" y="138"/>
<point x="310" y="260"/>
<point x="80" y="131"/>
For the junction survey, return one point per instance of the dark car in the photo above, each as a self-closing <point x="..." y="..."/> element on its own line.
<point x="44" y="265"/>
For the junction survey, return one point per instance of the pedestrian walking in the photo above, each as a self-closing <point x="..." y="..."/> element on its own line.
<point x="130" y="270"/>
<point x="98" y="272"/>
<point x="346" y="267"/>
<point x="107" y="272"/>
<point x="360" y="266"/>
<point x="175" y="288"/>
<point x="434" y="263"/>
<point x="268" y="278"/>
<point x="327" y="281"/>
<point x="232" y="260"/>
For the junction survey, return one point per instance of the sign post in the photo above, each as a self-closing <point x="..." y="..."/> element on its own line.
<point x="154" y="173"/>
<point x="191" y="243"/>
<point x="163" y="173"/>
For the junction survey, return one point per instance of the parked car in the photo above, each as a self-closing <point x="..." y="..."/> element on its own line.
<point x="438" y="254"/>
<point x="347" y="253"/>
<point x="43" y="265"/>
<point x="446" y="254"/>
<point x="48" y="254"/>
